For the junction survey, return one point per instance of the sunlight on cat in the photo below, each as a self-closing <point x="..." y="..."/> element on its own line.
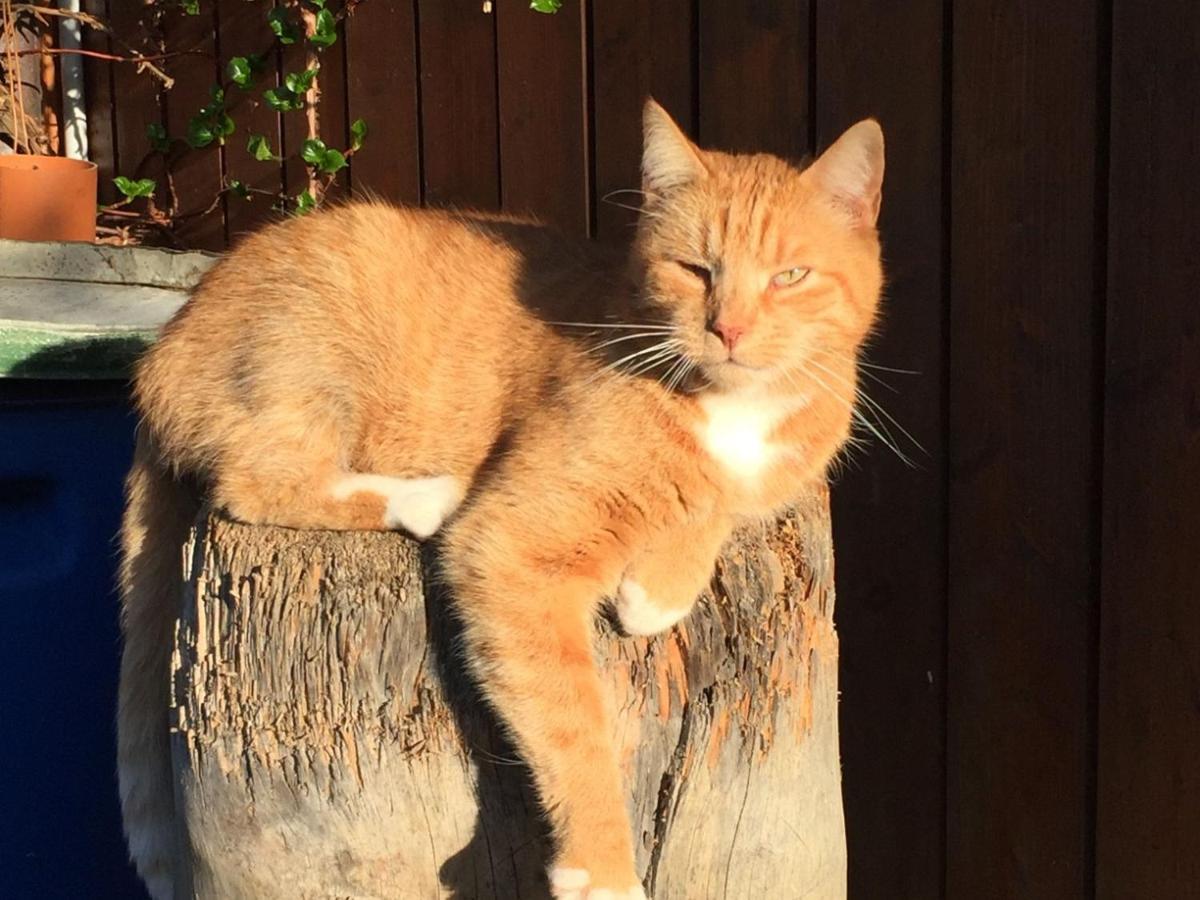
<point x="418" y="505"/>
<point x="610" y="413"/>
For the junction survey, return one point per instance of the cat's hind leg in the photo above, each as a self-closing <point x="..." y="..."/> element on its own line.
<point x="417" y="505"/>
<point x="328" y="498"/>
<point x="289" y="470"/>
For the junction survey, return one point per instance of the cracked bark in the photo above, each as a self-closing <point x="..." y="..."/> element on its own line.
<point x="327" y="743"/>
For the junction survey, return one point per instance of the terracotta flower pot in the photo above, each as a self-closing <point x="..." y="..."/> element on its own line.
<point x="47" y="198"/>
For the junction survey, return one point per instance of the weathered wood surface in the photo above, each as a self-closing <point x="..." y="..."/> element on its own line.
<point x="328" y="745"/>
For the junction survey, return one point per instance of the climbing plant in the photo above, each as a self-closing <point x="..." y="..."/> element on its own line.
<point x="291" y="30"/>
<point x="310" y="25"/>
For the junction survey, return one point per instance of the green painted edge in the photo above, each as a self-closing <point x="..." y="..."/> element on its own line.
<point x="32" y="351"/>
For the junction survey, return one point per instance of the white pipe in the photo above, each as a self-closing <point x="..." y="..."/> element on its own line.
<point x="74" y="124"/>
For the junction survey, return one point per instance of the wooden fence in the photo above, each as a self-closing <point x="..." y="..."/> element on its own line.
<point x="1019" y="614"/>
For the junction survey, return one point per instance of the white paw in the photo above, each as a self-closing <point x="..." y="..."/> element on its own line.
<point x="633" y="893"/>
<point x="573" y="884"/>
<point x="418" y="505"/>
<point x="568" y="884"/>
<point x="639" y="614"/>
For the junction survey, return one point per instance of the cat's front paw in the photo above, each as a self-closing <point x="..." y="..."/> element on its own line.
<point x="576" y="884"/>
<point x="640" y="615"/>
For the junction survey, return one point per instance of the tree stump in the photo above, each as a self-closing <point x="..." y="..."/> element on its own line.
<point x="327" y="742"/>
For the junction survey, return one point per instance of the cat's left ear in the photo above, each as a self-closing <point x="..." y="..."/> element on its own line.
<point x="851" y="171"/>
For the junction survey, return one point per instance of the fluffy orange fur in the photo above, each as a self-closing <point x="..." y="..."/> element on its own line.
<point x="575" y="425"/>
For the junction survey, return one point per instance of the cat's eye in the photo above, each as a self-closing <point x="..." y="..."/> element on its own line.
<point x="789" y="277"/>
<point x="697" y="271"/>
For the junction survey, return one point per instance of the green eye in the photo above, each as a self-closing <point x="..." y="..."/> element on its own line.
<point x="789" y="277"/>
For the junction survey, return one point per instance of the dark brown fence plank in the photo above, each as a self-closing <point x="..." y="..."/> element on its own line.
<point x="385" y="97"/>
<point x="459" y="118"/>
<point x="638" y="50"/>
<point x="100" y="101"/>
<point x="137" y="95"/>
<point x="543" y="113"/>
<point x="244" y="31"/>
<point x="889" y="519"/>
<point x="754" y="68"/>
<point x="1024" y="466"/>
<point x="195" y="173"/>
<point x="332" y="125"/>
<point x="1149" y="706"/>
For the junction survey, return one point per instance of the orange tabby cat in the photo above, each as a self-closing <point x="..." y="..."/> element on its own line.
<point x="576" y="427"/>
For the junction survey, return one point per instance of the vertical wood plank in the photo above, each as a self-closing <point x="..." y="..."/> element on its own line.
<point x="1149" y="706"/>
<point x="385" y="97"/>
<point x="543" y="113"/>
<point x="332" y="125"/>
<point x="889" y="519"/>
<point x="137" y="94"/>
<point x="638" y="51"/>
<point x="459" y="116"/>
<point x="1024" y="464"/>
<point x="100" y="103"/>
<point x="754" y="72"/>
<point x="243" y="31"/>
<point x="195" y="173"/>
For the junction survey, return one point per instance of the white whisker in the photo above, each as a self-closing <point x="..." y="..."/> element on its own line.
<point x="656" y="326"/>
<point x="888" y="369"/>
<point x="636" y="209"/>
<point x="873" y="404"/>
<point x="881" y="432"/>
<point x="628" y="337"/>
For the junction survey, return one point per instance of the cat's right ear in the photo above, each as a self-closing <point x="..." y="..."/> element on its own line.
<point x="669" y="159"/>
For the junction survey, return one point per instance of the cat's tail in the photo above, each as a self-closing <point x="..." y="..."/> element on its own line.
<point x="158" y="512"/>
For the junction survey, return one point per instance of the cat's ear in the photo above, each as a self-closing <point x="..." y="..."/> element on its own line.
<point x="851" y="171"/>
<point x="669" y="159"/>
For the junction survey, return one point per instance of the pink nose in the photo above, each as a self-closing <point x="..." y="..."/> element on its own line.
<point x="729" y="333"/>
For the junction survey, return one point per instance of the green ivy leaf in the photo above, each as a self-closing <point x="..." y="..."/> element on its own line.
<point x="299" y="82"/>
<point x="284" y="26"/>
<point x="260" y="148"/>
<point x="325" y="32"/>
<point x="312" y="151"/>
<point x="545" y="6"/>
<point x="332" y="161"/>
<point x="281" y="99"/>
<point x="319" y="4"/>
<point x="225" y="126"/>
<point x="305" y="203"/>
<point x="358" y="133"/>
<point x="239" y="71"/>
<point x="191" y="7"/>
<point x="200" y="132"/>
<point x="217" y="93"/>
<point x="143" y="187"/>
<point x="158" y="137"/>
<point x="239" y="188"/>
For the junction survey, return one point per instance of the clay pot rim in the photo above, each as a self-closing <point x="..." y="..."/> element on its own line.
<point x="34" y="161"/>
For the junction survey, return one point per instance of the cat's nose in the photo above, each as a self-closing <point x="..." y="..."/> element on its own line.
<point x="729" y="333"/>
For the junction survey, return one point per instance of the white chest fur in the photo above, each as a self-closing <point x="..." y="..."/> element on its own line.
<point x="736" y="431"/>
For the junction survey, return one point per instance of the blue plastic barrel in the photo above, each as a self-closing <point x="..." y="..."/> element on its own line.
<point x="64" y="450"/>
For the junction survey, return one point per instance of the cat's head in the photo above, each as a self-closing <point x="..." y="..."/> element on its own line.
<point x="765" y="270"/>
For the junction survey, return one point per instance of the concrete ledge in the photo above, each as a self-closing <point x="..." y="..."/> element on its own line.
<point x="85" y="311"/>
